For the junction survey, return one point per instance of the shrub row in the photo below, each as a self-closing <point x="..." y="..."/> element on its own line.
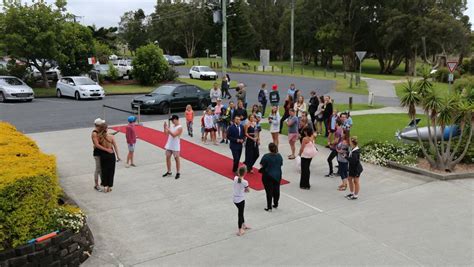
<point x="29" y="189"/>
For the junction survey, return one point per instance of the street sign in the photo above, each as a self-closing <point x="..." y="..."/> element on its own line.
<point x="450" y="77"/>
<point x="452" y="66"/>
<point x="361" y="55"/>
<point x="91" y="60"/>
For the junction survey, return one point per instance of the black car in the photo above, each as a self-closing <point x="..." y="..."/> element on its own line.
<point x="172" y="96"/>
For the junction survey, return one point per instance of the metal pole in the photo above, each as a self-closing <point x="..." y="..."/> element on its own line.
<point x="103" y="112"/>
<point x="292" y="47"/>
<point x="224" y="37"/>
<point x="360" y="71"/>
<point x="139" y="115"/>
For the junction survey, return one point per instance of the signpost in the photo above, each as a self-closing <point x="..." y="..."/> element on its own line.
<point x="452" y="67"/>
<point x="360" y="56"/>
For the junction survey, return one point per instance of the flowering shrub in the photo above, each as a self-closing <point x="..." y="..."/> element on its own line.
<point x="29" y="189"/>
<point x="69" y="217"/>
<point x="380" y="153"/>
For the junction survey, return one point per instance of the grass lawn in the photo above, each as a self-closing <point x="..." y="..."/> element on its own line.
<point x="110" y="89"/>
<point x="374" y="127"/>
<point x="440" y="88"/>
<point x="204" y="84"/>
<point x="370" y="68"/>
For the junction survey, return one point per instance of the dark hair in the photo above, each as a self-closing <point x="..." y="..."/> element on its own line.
<point x="264" y="85"/>
<point x="308" y="131"/>
<point x="291" y="110"/>
<point x="242" y="170"/>
<point x="273" y="148"/>
<point x="321" y="99"/>
<point x="338" y="122"/>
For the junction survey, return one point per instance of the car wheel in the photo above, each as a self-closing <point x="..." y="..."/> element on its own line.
<point x="29" y="100"/>
<point x="2" y="98"/>
<point x="77" y="96"/>
<point x="203" y="104"/>
<point x="58" y="93"/>
<point x="201" y="77"/>
<point x="164" y="108"/>
<point x="190" y="76"/>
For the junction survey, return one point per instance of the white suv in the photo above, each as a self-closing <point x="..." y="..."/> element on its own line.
<point x="202" y="72"/>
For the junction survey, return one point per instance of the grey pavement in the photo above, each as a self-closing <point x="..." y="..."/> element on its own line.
<point x="380" y="88"/>
<point x="401" y="219"/>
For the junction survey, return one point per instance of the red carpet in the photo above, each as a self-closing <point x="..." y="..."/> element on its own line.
<point x="200" y="155"/>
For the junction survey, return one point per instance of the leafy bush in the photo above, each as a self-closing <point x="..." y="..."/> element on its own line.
<point x="171" y="75"/>
<point x="3" y="71"/>
<point x="149" y="65"/>
<point x="467" y="66"/>
<point x="29" y="191"/>
<point x="113" y="74"/>
<point x="465" y="85"/>
<point x="380" y="153"/>
<point x="442" y="75"/>
<point x="17" y="70"/>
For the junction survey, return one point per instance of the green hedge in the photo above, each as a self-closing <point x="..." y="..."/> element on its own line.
<point x="29" y="189"/>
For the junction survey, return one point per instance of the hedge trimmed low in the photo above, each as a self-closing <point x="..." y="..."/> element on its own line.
<point x="29" y="189"/>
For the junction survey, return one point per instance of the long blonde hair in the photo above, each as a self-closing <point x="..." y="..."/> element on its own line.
<point x="102" y="133"/>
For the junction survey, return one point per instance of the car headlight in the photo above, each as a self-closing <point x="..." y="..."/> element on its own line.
<point x="150" y="102"/>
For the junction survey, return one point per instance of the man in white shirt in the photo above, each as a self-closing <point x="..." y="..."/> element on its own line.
<point x="173" y="145"/>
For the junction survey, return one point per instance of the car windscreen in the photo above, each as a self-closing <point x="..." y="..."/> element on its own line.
<point x="164" y="90"/>
<point x="205" y="69"/>
<point x="10" y="81"/>
<point x="83" y="81"/>
<point x="177" y="57"/>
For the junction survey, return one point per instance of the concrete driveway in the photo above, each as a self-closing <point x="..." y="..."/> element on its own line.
<point x="400" y="218"/>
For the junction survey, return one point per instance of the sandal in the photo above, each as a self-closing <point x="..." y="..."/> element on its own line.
<point x="342" y="188"/>
<point x="291" y="157"/>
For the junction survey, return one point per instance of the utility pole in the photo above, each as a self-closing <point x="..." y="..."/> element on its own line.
<point x="224" y="37"/>
<point x="292" y="47"/>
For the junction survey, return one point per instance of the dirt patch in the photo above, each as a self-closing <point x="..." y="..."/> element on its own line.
<point x="460" y="168"/>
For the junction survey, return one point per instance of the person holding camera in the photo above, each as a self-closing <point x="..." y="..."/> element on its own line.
<point x="173" y="130"/>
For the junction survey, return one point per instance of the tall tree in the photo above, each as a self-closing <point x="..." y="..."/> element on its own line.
<point x="77" y="45"/>
<point x="32" y="33"/>
<point x="133" y="29"/>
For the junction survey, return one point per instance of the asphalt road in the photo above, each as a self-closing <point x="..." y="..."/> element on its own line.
<point x="51" y="114"/>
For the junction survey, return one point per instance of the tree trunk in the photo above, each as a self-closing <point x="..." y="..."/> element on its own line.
<point x="316" y="59"/>
<point x="45" y="78"/>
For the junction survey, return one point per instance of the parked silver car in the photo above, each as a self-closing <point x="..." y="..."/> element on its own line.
<point x="12" y="88"/>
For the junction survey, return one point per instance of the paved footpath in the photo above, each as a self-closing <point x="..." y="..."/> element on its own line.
<point x="400" y="218"/>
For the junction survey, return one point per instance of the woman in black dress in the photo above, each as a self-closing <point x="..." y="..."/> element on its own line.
<point x="251" y="143"/>
<point x="270" y="167"/>
<point x="107" y="158"/>
<point x="355" y="169"/>
<point x="288" y="104"/>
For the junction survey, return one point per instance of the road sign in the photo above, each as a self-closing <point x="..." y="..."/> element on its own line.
<point x="361" y="55"/>
<point x="450" y="77"/>
<point x="452" y="66"/>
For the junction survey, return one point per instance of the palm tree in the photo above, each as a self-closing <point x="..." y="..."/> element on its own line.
<point x="441" y="112"/>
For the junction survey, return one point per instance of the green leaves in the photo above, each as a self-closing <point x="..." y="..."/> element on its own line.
<point x="411" y="98"/>
<point x="149" y="65"/>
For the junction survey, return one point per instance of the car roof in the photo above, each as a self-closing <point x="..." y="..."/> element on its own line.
<point x="201" y="67"/>
<point x="174" y="84"/>
<point x="73" y="77"/>
<point x="1" y="77"/>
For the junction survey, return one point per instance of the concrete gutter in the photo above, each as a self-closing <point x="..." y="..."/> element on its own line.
<point x="439" y="176"/>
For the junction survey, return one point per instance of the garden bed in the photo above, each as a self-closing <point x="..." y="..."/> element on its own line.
<point x="462" y="171"/>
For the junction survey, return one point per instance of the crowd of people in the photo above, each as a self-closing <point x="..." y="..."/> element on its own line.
<point x="240" y="128"/>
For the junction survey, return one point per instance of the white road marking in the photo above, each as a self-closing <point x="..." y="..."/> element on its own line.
<point x="302" y="202"/>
